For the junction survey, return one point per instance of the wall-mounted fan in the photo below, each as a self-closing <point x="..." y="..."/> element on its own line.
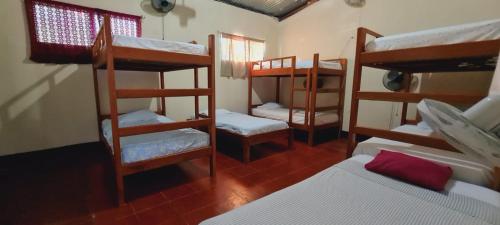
<point x="163" y="6"/>
<point x="355" y="3"/>
<point x="393" y="80"/>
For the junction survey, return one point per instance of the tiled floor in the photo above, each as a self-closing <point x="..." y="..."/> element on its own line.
<point x="75" y="186"/>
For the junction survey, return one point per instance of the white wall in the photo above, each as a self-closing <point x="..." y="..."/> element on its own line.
<point x="329" y="26"/>
<point x="46" y="106"/>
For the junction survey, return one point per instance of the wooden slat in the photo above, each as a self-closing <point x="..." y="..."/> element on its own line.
<point x="405" y="137"/>
<point x="319" y="109"/>
<point x="328" y="90"/>
<point x="430" y="53"/>
<point x="417" y="97"/>
<point x="136" y="167"/>
<point x="153" y="128"/>
<point x="149" y="93"/>
<point x="148" y="55"/>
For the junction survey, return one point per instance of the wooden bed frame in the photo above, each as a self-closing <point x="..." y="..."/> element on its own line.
<point x="248" y="141"/>
<point x="111" y="58"/>
<point x="437" y="58"/>
<point x="311" y="90"/>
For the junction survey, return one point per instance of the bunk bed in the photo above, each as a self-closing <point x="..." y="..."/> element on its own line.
<point x="140" y="141"/>
<point x="309" y="117"/>
<point x="470" y="47"/>
<point x="249" y="130"/>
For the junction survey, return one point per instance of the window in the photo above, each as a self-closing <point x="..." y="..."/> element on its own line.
<point x="236" y="52"/>
<point x="64" y="33"/>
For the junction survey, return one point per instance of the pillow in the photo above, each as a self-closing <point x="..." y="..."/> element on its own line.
<point x="137" y="116"/>
<point x="411" y="169"/>
<point x="270" y="105"/>
<point x="217" y="112"/>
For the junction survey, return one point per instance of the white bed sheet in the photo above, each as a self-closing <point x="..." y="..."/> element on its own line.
<point x="301" y="64"/>
<point x="464" y="169"/>
<point x="246" y="125"/>
<point x="346" y="194"/>
<point x="148" y="146"/>
<point x="160" y="45"/>
<point x="480" y="31"/>
<point x="298" y="115"/>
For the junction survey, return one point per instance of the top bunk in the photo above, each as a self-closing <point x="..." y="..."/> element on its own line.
<point x="145" y="54"/>
<point x="283" y="67"/>
<point x="466" y="47"/>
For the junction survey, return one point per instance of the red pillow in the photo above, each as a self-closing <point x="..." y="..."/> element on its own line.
<point x="411" y="169"/>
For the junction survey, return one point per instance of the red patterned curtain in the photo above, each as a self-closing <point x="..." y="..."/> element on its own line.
<point x="63" y="33"/>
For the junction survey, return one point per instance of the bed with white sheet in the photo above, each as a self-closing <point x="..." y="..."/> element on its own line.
<point x="299" y="64"/>
<point x="159" y="45"/>
<point x="464" y="168"/>
<point x="279" y="112"/>
<point x="347" y="193"/>
<point x="246" y="125"/>
<point x="149" y="146"/>
<point x="480" y="31"/>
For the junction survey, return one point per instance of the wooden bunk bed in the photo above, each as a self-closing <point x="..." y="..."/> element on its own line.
<point x="231" y="131"/>
<point x="441" y="57"/>
<point x="288" y="67"/>
<point x="110" y="57"/>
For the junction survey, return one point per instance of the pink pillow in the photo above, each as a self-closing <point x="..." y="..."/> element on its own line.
<point x="411" y="169"/>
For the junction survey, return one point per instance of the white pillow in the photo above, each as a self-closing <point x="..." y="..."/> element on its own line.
<point x="217" y="112"/>
<point x="270" y="105"/>
<point x="137" y="116"/>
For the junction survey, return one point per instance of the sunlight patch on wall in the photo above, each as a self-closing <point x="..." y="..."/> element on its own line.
<point x="26" y="101"/>
<point x="64" y="73"/>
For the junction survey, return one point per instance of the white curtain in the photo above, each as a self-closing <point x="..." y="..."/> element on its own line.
<point x="237" y="52"/>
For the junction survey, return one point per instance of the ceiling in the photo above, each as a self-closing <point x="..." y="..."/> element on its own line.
<point x="281" y="9"/>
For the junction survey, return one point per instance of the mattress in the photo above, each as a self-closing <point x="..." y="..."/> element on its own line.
<point x="298" y="115"/>
<point x="301" y="64"/>
<point x="347" y="193"/>
<point x="246" y="125"/>
<point x="464" y="169"/>
<point x="480" y="31"/>
<point x="148" y="146"/>
<point x="160" y="45"/>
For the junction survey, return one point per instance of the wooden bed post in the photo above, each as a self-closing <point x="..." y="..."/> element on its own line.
<point x="356" y="86"/>
<point x="196" y="98"/>
<point x="496" y="179"/>
<point x="277" y="89"/>
<point x="292" y="88"/>
<point x="97" y="101"/>
<point x="340" y="110"/>
<point x="113" y="108"/>
<point x="307" y="106"/>
<point x="311" y="125"/>
<point x="162" y="99"/>
<point x="250" y="79"/>
<point x="211" y="101"/>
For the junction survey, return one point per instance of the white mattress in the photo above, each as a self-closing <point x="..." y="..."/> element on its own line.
<point x="348" y="194"/>
<point x="246" y="125"/>
<point x="160" y="45"/>
<point x="480" y="31"/>
<point x="464" y="169"/>
<point x="298" y="115"/>
<point x="300" y="64"/>
<point x="148" y="146"/>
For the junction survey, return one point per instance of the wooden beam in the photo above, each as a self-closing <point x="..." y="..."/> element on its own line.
<point x="416" y="97"/>
<point x="150" y="93"/>
<point x="153" y="128"/>
<point x="431" y="142"/>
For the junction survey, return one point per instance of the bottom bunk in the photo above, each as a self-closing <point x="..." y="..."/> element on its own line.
<point x="347" y="193"/>
<point x="464" y="168"/>
<point x="249" y="130"/>
<point x="277" y="111"/>
<point x="153" y="145"/>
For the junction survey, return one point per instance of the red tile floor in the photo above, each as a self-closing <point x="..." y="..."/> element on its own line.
<point x="74" y="185"/>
